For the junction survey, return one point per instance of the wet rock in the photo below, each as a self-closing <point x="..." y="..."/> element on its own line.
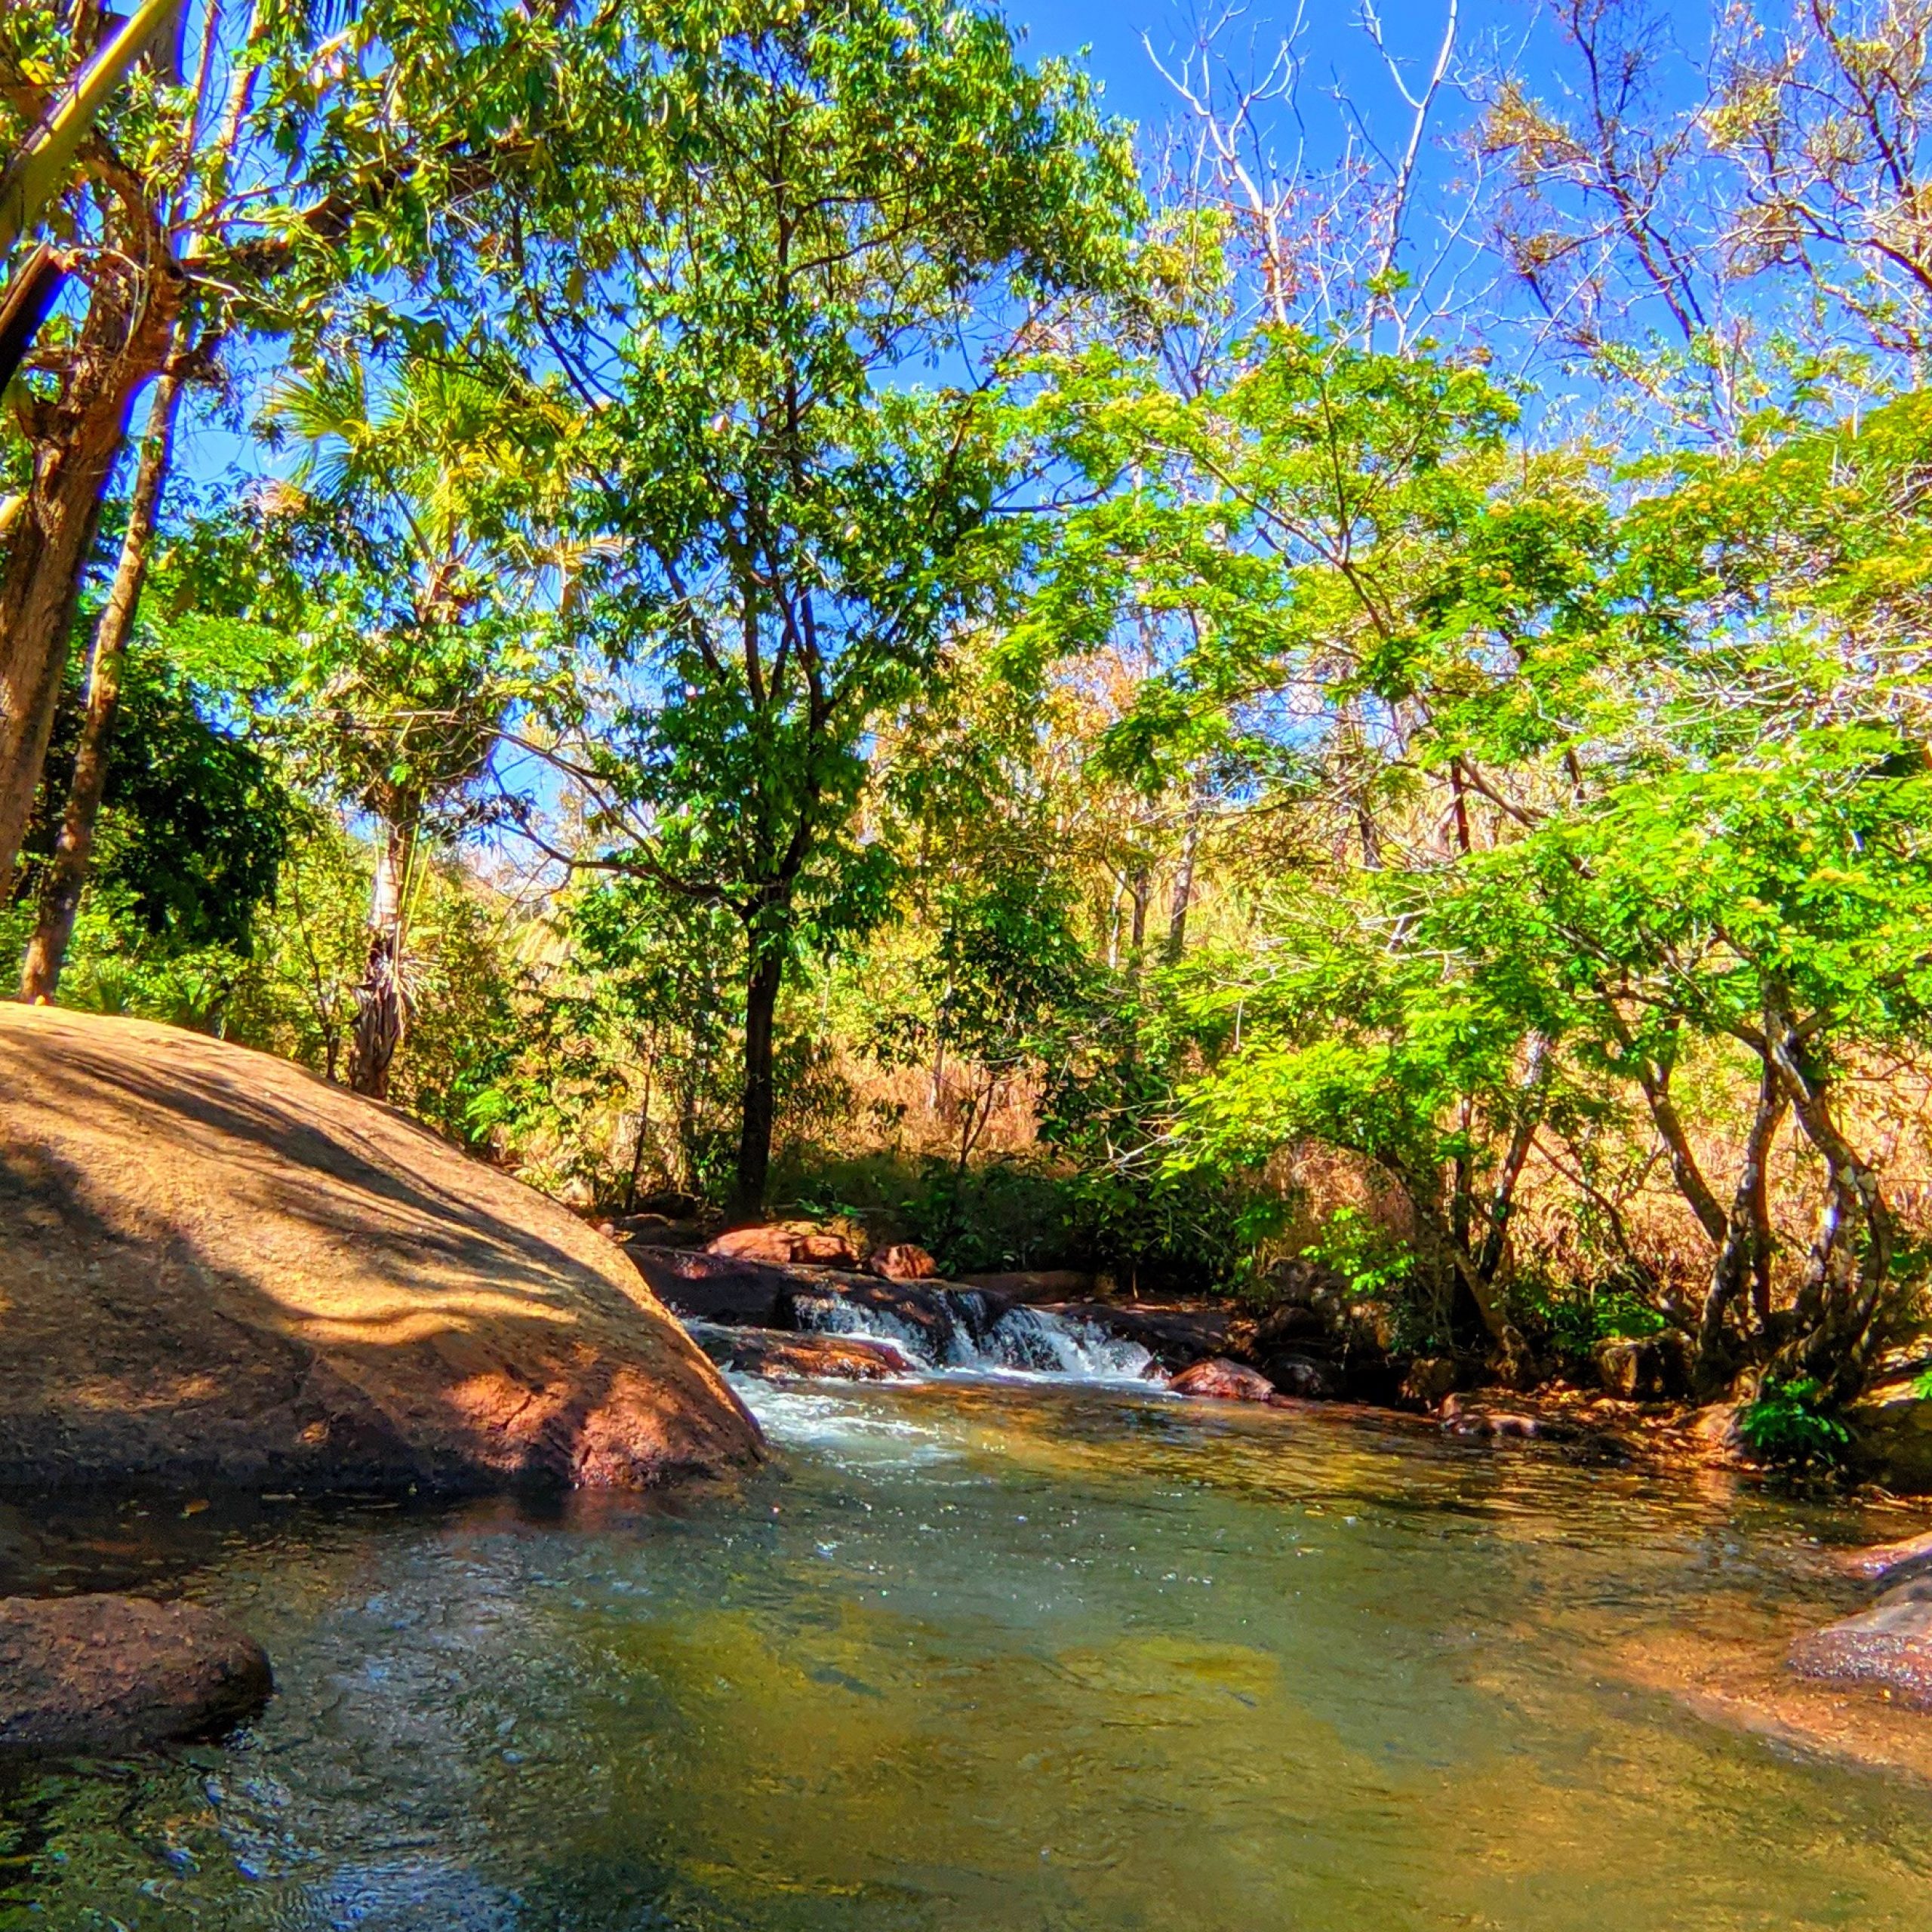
<point x="777" y="1354"/>
<point x="714" y="1288"/>
<point x="925" y="1319"/>
<point x="1175" y="1337"/>
<point x="1888" y="1559"/>
<point x="902" y="1261"/>
<point x="106" y="1673"/>
<point x="1889" y="1645"/>
<point x="1643" y="1368"/>
<point x="1223" y="1381"/>
<point x="1035" y="1285"/>
<point x="785" y="1246"/>
<point x="1461" y="1417"/>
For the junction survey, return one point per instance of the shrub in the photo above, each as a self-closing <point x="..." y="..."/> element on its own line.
<point x="1791" y="1424"/>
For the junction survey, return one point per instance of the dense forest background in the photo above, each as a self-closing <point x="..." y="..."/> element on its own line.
<point x="802" y="621"/>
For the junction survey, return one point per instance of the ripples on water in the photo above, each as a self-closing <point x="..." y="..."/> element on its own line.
<point x="983" y="1656"/>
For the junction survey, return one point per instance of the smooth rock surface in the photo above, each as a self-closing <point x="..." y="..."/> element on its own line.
<point x="104" y="1673"/>
<point x="783" y="1246"/>
<point x="220" y="1269"/>
<point x="1175" y="1337"/>
<point x="1221" y="1380"/>
<point x="778" y="1354"/>
<point x="1889" y="1645"/>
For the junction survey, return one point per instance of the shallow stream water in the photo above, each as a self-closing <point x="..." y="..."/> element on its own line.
<point x="980" y="1655"/>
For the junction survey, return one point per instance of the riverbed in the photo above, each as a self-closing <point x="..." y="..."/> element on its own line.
<point x="979" y="1654"/>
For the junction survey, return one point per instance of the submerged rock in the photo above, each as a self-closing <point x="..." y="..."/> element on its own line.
<point x="1889" y="1645"/>
<point x="777" y="1354"/>
<point x="223" y="1269"/>
<point x="1221" y="1380"/>
<point x="106" y="1673"/>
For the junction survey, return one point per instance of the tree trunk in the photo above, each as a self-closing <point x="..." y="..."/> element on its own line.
<point x="1654" y="1078"/>
<point x="767" y="974"/>
<point x="60" y="894"/>
<point x="1502" y="1194"/>
<point x="381" y="1005"/>
<point x="1183" y="893"/>
<point x="1844" y="1292"/>
<point x="75" y="441"/>
<point x="1744" y="1252"/>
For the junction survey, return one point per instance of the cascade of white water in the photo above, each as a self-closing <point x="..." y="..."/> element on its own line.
<point x="975" y="1334"/>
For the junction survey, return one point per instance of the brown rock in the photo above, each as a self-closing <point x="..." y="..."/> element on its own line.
<point x="1887" y="1559"/>
<point x="777" y="1354"/>
<point x="902" y="1261"/>
<point x="1175" y="1337"/>
<point x="1223" y="1381"/>
<point x="714" y="1288"/>
<point x="104" y="1673"/>
<point x="222" y="1269"/>
<point x="784" y="1247"/>
<point x="1643" y="1368"/>
<point x="1889" y="1645"/>
<point x="1462" y="1418"/>
<point x="1034" y="1284"/>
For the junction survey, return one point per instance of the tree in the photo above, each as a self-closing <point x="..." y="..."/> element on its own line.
<point x="793" y="207"/>
<point x="420" y="633"/>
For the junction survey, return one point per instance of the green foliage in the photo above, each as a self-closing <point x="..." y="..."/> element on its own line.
<point x="197" y="820"/>
<point x="1791" y="1423"/>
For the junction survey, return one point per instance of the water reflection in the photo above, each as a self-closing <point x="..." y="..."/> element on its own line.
<point x="990" y="1656"/>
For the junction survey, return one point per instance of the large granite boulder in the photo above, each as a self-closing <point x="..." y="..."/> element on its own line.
<point x="222" y="1269"/>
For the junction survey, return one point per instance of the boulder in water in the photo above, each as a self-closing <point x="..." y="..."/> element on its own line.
<point x="108" y="1673"/>
<point x="1220" y="1380"/>
<point x="1889" y="1645"/>
<point x="776" y="1355"/>
<point x="923" y="1320"/>
<point x="1462" y="1418"/>
<point x="222" y="1269"/>
<point x="902" y="1261"/>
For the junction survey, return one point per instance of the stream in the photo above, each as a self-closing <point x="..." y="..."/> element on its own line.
<point x="979" y="1653"/>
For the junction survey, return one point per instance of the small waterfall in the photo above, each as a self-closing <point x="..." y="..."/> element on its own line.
<point x="961" y="1328"/>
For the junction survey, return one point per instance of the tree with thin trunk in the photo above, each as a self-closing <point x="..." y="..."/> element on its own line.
<point x="66" y="875"/>
<point x="798" y="519"/>
<point x="406" y="511"/>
